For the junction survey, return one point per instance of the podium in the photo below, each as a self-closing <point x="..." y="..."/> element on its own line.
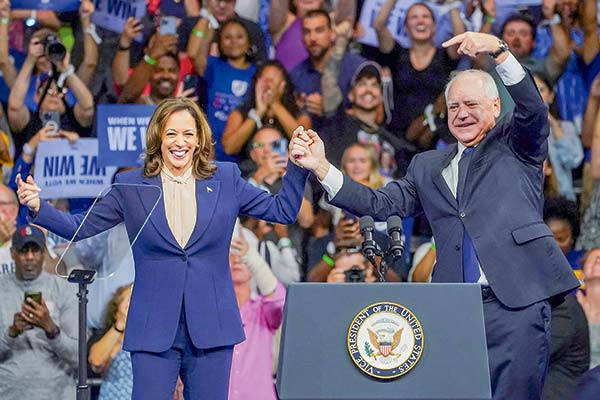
<point x="315" y="361"/>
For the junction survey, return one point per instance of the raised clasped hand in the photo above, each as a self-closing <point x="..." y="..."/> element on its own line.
<point x="308" y="151"/>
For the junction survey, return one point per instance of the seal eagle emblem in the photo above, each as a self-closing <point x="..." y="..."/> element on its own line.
<point x="385" y="340"/>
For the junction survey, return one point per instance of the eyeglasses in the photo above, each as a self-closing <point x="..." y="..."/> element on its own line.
<point x="260" y="145"/>
<point x="57" y="92"/>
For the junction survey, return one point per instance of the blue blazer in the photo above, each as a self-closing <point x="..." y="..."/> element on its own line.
<point x="501" y="207"/>
<point x="166" y="275"/>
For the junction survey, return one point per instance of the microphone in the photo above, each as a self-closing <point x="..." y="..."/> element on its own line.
<point x="368" y="246"/>
<point x="394" y="228"/>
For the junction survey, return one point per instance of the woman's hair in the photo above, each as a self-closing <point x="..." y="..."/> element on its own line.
<point x="562" y="209"/>
<point x="422" y="4"/>
<point x="551" y="188"/>
<point x="287" y="99"/>
<point x="552" y="107"/>
<point x="250" y="53"/>
<point x="111" y="308"/>
<point x="202" y="165"/>
<point x="375" y="179"/>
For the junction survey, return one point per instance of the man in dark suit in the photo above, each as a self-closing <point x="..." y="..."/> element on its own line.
<point x="483" y="198"/>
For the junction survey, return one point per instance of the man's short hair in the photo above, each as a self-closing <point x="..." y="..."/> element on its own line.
<point x="519" y="18"/>
<point x="490" y="88"/>
<point x="319" y="13"/>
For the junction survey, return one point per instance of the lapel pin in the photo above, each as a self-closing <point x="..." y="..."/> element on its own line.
<point x="208" y="189"/>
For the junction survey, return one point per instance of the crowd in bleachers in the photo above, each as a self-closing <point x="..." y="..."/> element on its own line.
<point x="259" y="69"/>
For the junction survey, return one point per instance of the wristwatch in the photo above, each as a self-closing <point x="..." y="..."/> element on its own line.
<point x="502" y="47"/>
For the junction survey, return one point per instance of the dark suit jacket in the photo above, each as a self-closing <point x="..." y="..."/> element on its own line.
<point x="167" y="275"/>
<point x="501" y="207"/>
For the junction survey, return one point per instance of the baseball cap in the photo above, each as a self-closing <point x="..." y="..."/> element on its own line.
<point x="28" y="234"/>
<point x="368" y="69"/>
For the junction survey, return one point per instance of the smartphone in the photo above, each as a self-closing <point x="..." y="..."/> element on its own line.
<point x="35" y="295"/>
<point x="190" y="81"/>
<point x="52" y="119"/>
<point x="280" y="147"/>
<point x="168" y="25"/>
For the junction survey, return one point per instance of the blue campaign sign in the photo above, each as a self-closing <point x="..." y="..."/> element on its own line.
<point x="56" y="5"/>
<point x="112" y="14"/>
<point x="65" y="170"/>
<point x="122" y="133"/>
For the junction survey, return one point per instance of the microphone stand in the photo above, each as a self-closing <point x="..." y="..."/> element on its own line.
<point x="371" y="251"/>
<point x="82" y="277"/>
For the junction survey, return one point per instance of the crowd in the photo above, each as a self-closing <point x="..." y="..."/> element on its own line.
<point x="259" y="69"/>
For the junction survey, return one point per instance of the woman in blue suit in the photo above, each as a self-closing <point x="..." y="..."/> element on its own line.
<point x="183" y="319"/>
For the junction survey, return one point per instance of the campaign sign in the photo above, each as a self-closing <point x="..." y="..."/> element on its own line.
<point x="395" y="21"/>
<point x="56" y="5"/>
<point x="122" y="133"/>
<point x="65" y="170"/>
<point x="113" y="14"/>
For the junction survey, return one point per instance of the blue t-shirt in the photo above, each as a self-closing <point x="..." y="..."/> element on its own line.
<point x="227" y="86"/>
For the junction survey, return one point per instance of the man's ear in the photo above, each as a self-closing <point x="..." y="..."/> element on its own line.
<point x="497" y="107"/>
<point x="351" y="96"/>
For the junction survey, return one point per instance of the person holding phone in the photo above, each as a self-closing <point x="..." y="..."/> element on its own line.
<point x="38" y="325"/>
<point x="160" y="68"/>
<point x="51" y="103"/>
<point x="183" y="317"/>
<point x="269" y="154"/>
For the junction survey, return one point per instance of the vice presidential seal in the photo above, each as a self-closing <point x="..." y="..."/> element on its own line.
<point x="385" y="340"/>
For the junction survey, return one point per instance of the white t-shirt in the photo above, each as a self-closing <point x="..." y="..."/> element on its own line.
<point x="7" y="264"/>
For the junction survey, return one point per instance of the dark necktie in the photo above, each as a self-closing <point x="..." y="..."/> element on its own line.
<point x="470" y="263"/>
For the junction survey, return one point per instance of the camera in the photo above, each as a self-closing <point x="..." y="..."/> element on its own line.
<point x="54" y="49"/>
<point x="355" y="274"/>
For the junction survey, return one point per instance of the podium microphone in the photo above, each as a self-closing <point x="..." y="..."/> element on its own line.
<point x="368" y="246"/>
<point x="394" y="228"/>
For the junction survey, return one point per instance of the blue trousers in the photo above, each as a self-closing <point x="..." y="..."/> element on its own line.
<point x="204" y="372"/>
<point x="518" y="342"/>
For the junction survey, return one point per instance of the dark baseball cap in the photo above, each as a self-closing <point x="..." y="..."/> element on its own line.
<point x="28" y="234"/>
<point x="368" y="69"/>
